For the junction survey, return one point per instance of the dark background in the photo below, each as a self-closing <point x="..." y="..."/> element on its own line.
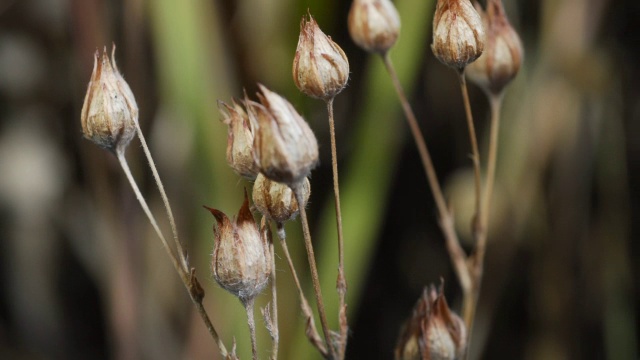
<point x="83" y="277"/>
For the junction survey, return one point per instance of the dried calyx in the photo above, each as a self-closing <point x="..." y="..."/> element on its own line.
<point x="109" y="113"/>
<point x="240" y="141"/>
<point x="285" y="148"/>
<point x="241" y="260"/>
<point x="433" y="331"/>
<point x="458" y="35"/>
<point x="503" y="52"/>
<point x="277" y="201"/>
<point x="320" y="67"/>
<point x="374" y="25"/>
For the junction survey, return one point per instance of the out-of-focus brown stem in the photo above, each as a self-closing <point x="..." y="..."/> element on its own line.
<point x="456" y="253"/>
<point x="297" y="190"/>
<point x="341" y="283"/>
<point x="475" y="155"/>
<point x="311" y="331"/>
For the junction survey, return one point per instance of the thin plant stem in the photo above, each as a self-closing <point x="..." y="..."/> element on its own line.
<point x="471" y="302"/>
<point x="297" y="190"/>
<point x="248" y="305"/>
<point x="274" y="331"/>
<point x="312" y="332"/>
<point x="475" y="155"/>
<point x="190" y="281"/>
<point x="341" y="283"/>
<point x="456" y="253"/>
<point x="165" y="199"/>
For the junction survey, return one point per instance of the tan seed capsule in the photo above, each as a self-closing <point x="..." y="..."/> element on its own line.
<point x="276" y="201"/>
<point x="241" y="260"/>
<point x="240" y="140"/>
<point x="374" y="25"/>
<point x="109" y="113"/>
<point x="320" y="67"/>
<point x="458" y="35"/>
<point x="285" y="147"/>
<point x="433" y="331"/>
<point x="503" y="54"/>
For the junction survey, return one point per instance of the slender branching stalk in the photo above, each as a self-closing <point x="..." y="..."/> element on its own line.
<point x="298" y="191"/>
<point x="475" y="155"/>
<point x="471" y="302"/>
<point x="457" y="254"/>
<point x="248" y="306"/>
<point x="196" y="293"/>
<point x="165" y="199"/>
<point x="341" y="283"/>
<point x="311" y="331"/>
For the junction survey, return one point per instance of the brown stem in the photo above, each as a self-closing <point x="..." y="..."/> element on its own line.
<point x="311" y="331"/>
<point x="471" y="302"/>
<point x="297" y="190"/>
<point x="476" y="225"/>
<point x="456" y="253"/>
<point x="248" y="305"/>
<point x="165" y="199"/>
<point x="189" y="279"/>
<point x="275" y="334"/>
<point x="341" y="283"/>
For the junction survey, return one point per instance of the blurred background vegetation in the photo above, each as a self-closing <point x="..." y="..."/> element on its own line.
<point x="82" y="275"/>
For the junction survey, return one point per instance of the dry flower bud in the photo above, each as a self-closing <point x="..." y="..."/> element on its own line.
<point x="320" y="67"/>
<point x="109" y="113"/>
<point x="502" y="57"/>
<point x="285" y="147"/>
<point x="433" y="332"/>
<point x="277" y="201"/>
<point x="240" y="141"/>
<point x="458" y="35"/>
<point x="241" y="260"/>
<point x="374" y="25"/>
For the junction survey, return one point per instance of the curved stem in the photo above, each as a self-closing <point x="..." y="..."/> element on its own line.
<point x="312" y="332"/>
<point x="456" y="253"/>
<point x="190" y="281"/>
<point x="165" y="199"/>
<point x="248" y="305"/>
<point x="476" y="225"/>
<point x="297" y="190"/>
<point x="341" y="283"/>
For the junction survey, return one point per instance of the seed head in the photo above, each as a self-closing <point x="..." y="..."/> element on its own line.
<point x="433" y="332"/>
<point x="458" y="36"/>
<point x="240" y="141"/>
<point x="502" y="57"/>
<point x="374" y="25"/>
<point x="285" y="148"/>
<point x="241" y="260"/>
<point x="109" y="113"/>
<point x="277" y="201"/>
<point x="320" y="67"/>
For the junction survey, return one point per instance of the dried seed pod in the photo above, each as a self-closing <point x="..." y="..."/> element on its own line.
<point x="277" y="201"/>
<point x="241" y="260"/>
<point x="109" y="113"/>
<point x="285" y="148"/>
<point x="320" y="67"/>
<point x="240" y="141"/>
<point x="503" y="53"/>
<point x="433" y="331"/>
<point x="458" y="35"/>
<point x="374" y="25"/>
